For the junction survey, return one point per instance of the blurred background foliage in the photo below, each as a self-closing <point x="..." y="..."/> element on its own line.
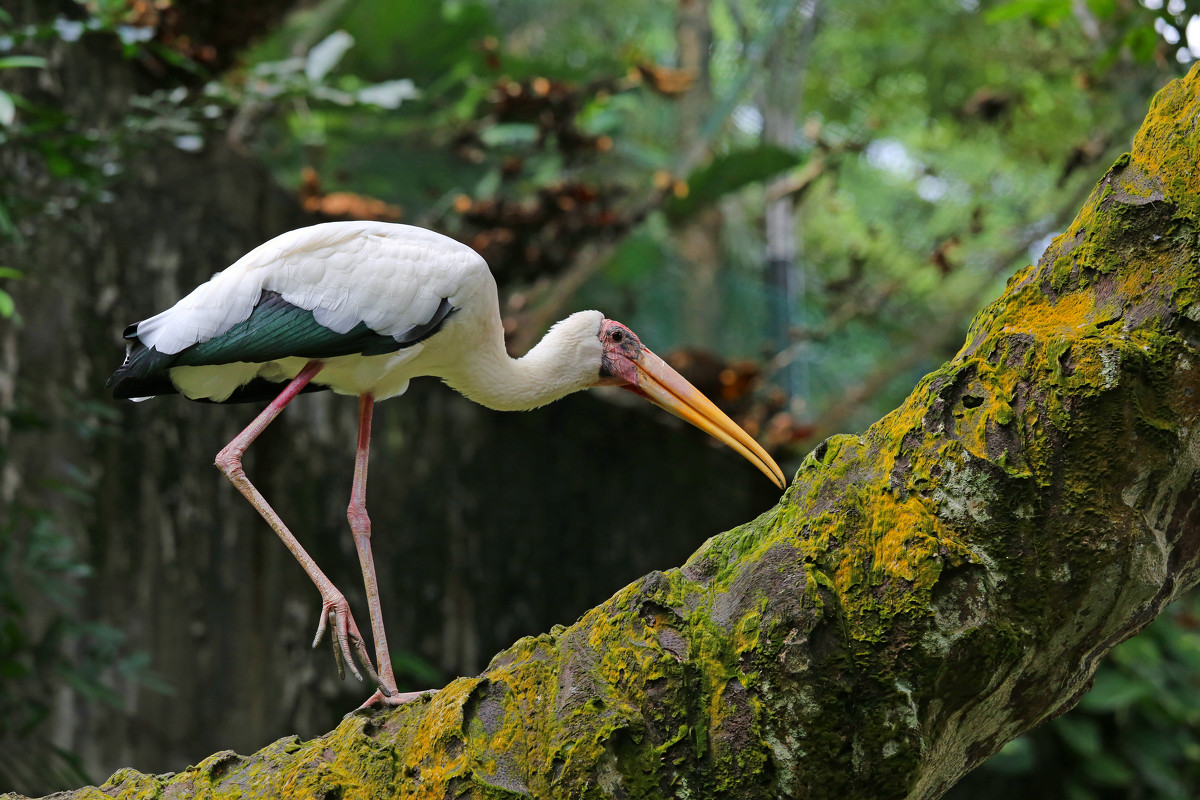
<point x="803" y="203"/>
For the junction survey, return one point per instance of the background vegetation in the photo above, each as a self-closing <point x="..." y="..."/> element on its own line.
<point x="803" y="203"/>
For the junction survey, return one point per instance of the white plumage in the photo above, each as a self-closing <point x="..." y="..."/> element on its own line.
<point x="387" y="275"/>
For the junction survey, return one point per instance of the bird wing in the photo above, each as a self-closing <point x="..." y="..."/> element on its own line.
<point x="277" y="329"/>
<point x="392" y="278"/>
<point x="334" y="289"/>
<point x="389" y="277"/>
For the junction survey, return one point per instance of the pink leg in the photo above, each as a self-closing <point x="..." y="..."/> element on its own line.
<point x="360" y="525"/>
<point x="344" y="633"/>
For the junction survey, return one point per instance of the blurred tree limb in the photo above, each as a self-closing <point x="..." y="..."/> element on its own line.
<point x="921" y="595"/>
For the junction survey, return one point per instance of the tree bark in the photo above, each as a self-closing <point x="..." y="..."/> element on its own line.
<point x="921" y="595"/>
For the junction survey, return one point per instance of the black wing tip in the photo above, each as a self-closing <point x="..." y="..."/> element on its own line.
<point x="125" y="386"/>
<point x="143" y="373"/>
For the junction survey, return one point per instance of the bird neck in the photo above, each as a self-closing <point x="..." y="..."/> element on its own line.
<point x="566" y="360"/>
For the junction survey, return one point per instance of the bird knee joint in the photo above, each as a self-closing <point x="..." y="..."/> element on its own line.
<point x="229" y="461"/>
<point x="359" y="521"/>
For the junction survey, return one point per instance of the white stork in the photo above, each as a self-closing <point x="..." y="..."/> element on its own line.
<point x="362" y="308"/>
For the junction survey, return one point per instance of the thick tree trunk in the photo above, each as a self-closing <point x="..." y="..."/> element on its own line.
<point x="922" y="594"/>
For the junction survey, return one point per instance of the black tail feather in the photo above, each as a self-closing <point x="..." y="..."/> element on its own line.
<point x="144" y="374"/>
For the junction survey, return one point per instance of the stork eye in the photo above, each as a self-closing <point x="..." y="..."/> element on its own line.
<point x="616" y="336"/>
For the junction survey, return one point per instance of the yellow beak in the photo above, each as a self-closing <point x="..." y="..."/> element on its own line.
<point x="667" y="388"/>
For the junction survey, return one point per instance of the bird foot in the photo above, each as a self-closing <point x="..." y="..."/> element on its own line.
<point x="379" y="700"/>
<point x="346" y="640"/>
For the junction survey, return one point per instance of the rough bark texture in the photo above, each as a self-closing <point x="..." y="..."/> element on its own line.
<point x="922" y="594"/>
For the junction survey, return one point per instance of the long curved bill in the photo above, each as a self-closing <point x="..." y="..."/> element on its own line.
<point x="667" y="388"/>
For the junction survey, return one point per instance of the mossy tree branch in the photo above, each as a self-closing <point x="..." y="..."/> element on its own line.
<point x="921" y="595"/>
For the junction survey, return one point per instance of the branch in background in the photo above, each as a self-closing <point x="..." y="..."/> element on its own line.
<point x="342" y="205"/>
<point x="211" y="35"/>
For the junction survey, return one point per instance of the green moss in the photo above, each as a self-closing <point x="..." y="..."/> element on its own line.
<point x="1061" y="273"/>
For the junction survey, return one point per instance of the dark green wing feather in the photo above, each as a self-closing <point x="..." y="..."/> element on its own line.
<point x="275" y="329"/>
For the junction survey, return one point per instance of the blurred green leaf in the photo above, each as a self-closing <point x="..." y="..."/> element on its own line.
<point x="7" y="228"/>
<point x="637" y="257"/>
<point x="1140" y="651"/>
<point x="1114" y="690"/>
<point x="8" y="109"/>
<point x="1104" y="9"/>
<point x="409" y="665"/>
<point x="728" y="173"/>
<point x="7" y="306"/>
<point x="1108" y="771"/>
<point x="1046" y="12"/>
<point x="1014" y="758"/>
<point x="1185" y="646"/>
<point x="88" y="686"/>
<point x="509" y="134"/>
<point x="1142" y="42"/>
<point x="1081" y="733"/>
<point x="1077" y="791"/>
<point x="12" y="62"/>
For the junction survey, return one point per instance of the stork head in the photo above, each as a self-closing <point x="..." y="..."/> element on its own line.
<point x="627" y="363"/>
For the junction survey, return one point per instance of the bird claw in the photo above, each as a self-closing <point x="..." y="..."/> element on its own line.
<point x="344" y="635"/>
<point x="389" y="700"/>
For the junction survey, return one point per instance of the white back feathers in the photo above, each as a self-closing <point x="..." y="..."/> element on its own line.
<point x="390" y="277"/>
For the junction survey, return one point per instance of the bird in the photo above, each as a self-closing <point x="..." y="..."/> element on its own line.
<point x="360" y="308"/>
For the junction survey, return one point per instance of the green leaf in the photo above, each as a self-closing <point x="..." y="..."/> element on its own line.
<point x="12" y="62"/>
<point x="1114" y="690"/>
<point x="509" y="133"/>
<point x="637" y="256"/>
<point x="1186" y="648"/>
<point x="1108" y="771"/>
<point x="728" y="173"/>
<point x="1046" y="12"/>
<point x="1081" y="733"/>
<point x="1104" y="9"/>
<point x="416" y="669"/>
<point x="1015" y="758"/>
<point x="10" y="272"/>
<point x="1077" y="791"/>
<point x="1142" y="41"/>
<point x="1140" y="652"/>
<point x="8" y="109"/>
<point x="7" y="306"/>
<point x="90" y="687"/>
